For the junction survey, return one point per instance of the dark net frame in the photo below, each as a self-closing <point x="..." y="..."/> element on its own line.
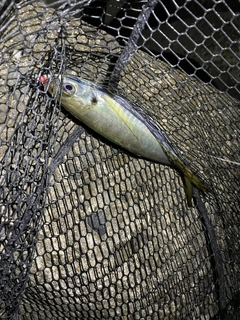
<point x="88" y="230"/>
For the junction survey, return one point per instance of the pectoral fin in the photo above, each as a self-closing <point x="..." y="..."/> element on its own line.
<point x="120" y="114"/>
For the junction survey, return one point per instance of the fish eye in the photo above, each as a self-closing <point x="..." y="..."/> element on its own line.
<point x="68" y="88"/>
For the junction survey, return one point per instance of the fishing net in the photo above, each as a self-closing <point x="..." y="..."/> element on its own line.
<point x="88" y="230"/>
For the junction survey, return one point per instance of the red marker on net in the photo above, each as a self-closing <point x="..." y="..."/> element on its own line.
<point x="43" y="79"/>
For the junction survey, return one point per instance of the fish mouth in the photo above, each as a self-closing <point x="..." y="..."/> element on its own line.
<point x="53" y="87"/>
<point x="50" y="88"/>
<point x="51" y="84"/>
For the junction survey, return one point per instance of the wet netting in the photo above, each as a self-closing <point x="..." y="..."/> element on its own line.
<point x="89" y="230"/>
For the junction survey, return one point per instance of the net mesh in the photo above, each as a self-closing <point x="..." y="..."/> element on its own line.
<point x="88" y="230"/>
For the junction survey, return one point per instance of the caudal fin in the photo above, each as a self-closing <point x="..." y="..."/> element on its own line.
<point x="189" y="180"/>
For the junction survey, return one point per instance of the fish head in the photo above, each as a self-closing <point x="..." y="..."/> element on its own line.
<point x="75" y="92"/>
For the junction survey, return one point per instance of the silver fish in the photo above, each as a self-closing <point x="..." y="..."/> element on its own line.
<point x="113" y="117"/>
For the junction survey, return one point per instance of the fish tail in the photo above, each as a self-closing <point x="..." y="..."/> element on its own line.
<point x="189" y="180"/>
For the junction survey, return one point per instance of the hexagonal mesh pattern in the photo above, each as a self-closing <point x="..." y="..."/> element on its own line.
<point x="88" y="230"/>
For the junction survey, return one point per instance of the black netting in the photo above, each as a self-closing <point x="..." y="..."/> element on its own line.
<point x="88" y="230"/>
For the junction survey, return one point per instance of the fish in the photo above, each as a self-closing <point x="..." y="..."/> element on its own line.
<point x="116" y="119"/>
